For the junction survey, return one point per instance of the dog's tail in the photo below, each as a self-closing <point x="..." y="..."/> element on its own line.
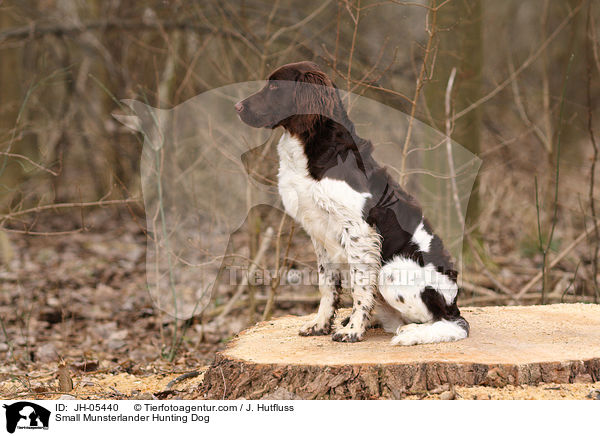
<point x="443" y="330"/>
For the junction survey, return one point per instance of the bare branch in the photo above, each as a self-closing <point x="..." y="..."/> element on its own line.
<point x="37" y="209"/>
<point x="35" y="164"/>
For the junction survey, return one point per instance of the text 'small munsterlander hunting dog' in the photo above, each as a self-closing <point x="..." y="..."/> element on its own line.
<point x="357" y="216"/>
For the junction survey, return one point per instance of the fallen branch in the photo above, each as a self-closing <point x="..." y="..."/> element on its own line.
<point x="532" y="298"/>
<point x="552" y="264"/>
<point x="476" y="289"/>
<point x="182" y="377"/>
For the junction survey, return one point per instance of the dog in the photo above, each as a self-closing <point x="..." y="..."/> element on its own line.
<point x="357" y="215"/>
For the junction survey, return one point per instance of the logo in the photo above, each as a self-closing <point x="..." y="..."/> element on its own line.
<point x="26" y="415"/>
<point x="202" y="167"/>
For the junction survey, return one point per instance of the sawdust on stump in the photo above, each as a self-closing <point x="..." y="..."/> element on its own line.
<point x="508" y="346"/>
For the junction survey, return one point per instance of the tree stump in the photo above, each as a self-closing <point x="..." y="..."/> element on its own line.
<point x="508" y="345"/>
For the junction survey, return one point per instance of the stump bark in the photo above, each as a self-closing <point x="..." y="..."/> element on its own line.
<point x="508" y="345"/>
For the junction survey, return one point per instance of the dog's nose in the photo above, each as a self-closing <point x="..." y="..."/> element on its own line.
<point x="239" y="106"/>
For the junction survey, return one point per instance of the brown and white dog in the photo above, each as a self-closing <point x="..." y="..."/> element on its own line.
<point x="356" y="215"/>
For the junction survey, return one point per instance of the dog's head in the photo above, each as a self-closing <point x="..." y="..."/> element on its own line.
<point x="297" y="96"/>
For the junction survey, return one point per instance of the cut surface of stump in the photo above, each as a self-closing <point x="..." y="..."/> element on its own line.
<point x="507" y="345"/>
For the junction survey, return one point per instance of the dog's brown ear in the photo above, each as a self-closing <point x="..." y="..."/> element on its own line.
<point x="314" y="97"/>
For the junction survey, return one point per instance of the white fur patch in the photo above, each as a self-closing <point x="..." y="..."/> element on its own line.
<point x="401" y="282"/>
<point x="389" y="317"/>
<point x="439" y="331"/>
<point x="422" y="238"/>
<point x="321" y="207"/>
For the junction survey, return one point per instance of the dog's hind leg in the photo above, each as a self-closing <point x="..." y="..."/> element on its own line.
<point x="384" y="316"/>
<point x="330" y="287"/>
<point x="418" y="293"/>
<point x="447" y="324"/>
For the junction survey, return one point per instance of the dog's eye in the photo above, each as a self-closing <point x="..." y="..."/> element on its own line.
<point x="273" y="86"/>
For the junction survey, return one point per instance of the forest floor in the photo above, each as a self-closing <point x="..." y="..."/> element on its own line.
<point x="77" y="320"/>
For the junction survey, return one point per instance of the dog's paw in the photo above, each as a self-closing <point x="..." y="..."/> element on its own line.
<point x="407" y="335"/>
<point x="313" y="328"/>
<point x="346" y="334"/>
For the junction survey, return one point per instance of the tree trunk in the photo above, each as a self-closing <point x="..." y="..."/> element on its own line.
<point x="11" y="96"/>
<point x="508" y="345"/>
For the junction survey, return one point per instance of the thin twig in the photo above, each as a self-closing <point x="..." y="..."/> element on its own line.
<point x="523" y="66"/>
<point x="546" y="143"/>
<point x="449" y="146"/>
<point x="264" y="244"/>
<point x="546" y="249"/>
<point x="275" y="281"/>
<point x="552" y="264"/>
<point x="461" y="218"/>
<point x="590" y="118"/>
<point x="299" y="24"/>
<point x="35" y="31"/>
<point x="35" y="164"/>
<point x="477" y="289"/>
<point x="541" y="241"/>
<point x="432" y="17"/>
<point x="353" y="44"/>
<point x="37" y="209"/>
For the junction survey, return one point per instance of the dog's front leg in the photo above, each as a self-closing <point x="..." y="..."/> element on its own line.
<point x="362" y="245"/>
<point x="330" y="289"/>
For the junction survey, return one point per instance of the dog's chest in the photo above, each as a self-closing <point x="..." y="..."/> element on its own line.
<point x="323" y="206"/>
